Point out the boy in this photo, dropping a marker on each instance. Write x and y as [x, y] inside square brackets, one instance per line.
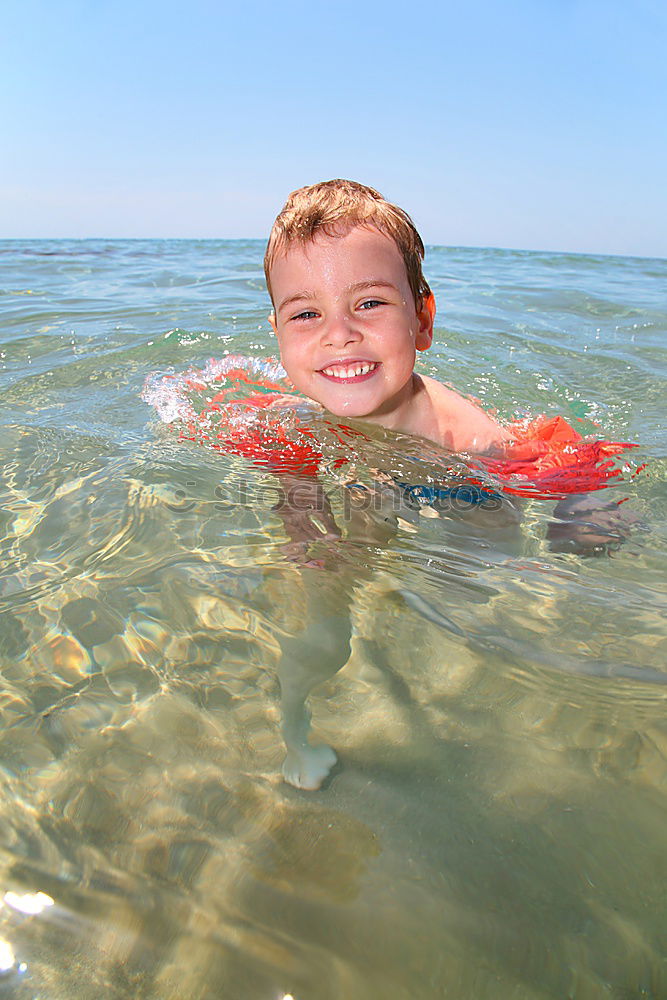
[351, 308]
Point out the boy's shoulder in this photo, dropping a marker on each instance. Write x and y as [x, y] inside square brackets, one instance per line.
[462, 424]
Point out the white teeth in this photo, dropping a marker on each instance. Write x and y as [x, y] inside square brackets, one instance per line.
[349, 371]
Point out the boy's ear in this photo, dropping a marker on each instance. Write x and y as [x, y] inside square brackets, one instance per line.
[272, 320]
[426, 317]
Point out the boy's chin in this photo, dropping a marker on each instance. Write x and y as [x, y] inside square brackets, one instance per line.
[350, 413]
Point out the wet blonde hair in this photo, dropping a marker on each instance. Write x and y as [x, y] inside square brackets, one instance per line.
[334, 207]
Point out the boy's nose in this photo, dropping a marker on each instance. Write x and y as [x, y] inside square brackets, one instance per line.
[340, 331]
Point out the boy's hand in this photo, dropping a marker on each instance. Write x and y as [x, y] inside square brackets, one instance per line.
[589, 526]
[307, 516]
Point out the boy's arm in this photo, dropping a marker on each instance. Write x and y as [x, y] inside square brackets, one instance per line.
[306, 514]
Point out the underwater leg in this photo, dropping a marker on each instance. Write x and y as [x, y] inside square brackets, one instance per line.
[307, 659]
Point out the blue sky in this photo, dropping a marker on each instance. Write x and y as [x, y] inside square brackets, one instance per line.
[537, 125]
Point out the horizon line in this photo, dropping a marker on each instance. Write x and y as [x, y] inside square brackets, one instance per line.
[258, 239]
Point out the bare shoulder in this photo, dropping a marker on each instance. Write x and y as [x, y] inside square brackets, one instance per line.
[462, 424]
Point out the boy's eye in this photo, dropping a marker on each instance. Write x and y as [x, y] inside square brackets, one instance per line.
[370, 304]
[306, 314]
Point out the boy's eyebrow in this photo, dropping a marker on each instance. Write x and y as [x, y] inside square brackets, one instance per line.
[297, 297]
[358, 286]
[371, 283]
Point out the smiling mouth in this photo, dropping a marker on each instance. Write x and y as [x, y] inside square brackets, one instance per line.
[353, 371]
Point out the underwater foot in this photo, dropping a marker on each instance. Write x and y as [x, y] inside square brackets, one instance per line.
[307, 766]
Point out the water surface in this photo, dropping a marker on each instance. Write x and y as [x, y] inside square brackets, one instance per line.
[495, 826]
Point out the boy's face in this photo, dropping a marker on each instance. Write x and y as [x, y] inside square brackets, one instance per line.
[347, 324]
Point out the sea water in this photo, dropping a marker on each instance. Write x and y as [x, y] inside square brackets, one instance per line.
[495, 825]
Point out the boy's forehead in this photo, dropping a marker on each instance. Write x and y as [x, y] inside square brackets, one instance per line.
[354, 248]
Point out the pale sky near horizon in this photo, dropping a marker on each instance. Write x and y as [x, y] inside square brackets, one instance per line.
[535, 124]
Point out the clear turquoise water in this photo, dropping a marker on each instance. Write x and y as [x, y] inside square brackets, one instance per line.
[496, 824]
